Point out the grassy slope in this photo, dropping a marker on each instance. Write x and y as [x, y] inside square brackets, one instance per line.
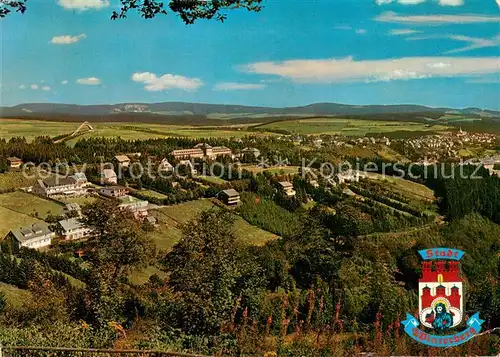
[26, 203]
[11, 219]
[171, 216]
[348, 127]
[15, 296]
[15, 180]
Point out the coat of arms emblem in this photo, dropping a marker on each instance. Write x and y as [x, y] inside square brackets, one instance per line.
[441, 301]
[440, 295]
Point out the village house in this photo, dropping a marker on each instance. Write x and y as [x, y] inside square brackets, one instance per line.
[114, 191]
[251, 151]
[36, 236]
[14, 162]
[314, 183]
[81, 179]
[109, 176]
[165, 166]
[189, 165]
[138, 207]
[122, 160]
[61, 186]
[73, 229]
[202, 151]
[150, 220]
[348, 176]
[72, 210]
[229, 197]
[287, 188]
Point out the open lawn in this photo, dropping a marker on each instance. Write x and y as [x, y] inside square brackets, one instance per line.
[15, 296]
[27, 204]
[152, 194]
[11, 219]
[212, 179]
[15, 179]
[347, 127]
[142, 276]
[130, 131]
[81, 200]
[169, 217]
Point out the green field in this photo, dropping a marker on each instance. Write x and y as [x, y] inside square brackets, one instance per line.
[15, 179]
[347, 127]
[212, 179]
[16, 207]
[26, 203]
[152, 194]
[15, 296]
[131, 131]
[81, 200]
[171, 216]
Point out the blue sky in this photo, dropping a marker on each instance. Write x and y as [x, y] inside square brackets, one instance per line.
[430, 52]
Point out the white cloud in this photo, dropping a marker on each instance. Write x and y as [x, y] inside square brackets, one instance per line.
[22, 86]
[393, 17]
[451, 2]
[90, 81]
[67, 39]
[350, 70]
[34, 86]
[238, 86]
[83, 5]
[46, 88]
[383, 2]
[64, 82]
[153, 83]
[360, 31]
[398, 32]
[474, 42]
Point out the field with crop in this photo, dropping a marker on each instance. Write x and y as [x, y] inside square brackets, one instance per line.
[347, 127]
[131, 131]
[169, 218]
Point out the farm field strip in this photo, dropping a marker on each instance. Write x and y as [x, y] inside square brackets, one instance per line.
[348, 127]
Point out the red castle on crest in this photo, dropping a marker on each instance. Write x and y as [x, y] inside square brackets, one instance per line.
[441, 275]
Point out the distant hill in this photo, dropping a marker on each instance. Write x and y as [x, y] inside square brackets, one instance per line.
[226, 111]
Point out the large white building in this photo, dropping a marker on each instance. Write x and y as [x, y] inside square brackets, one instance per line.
[202, 150]
[36, 236]
[73, 229]
[73, 185]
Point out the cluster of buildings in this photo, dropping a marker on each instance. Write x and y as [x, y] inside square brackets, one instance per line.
[202, 151]
[39, 234]
[447, 145]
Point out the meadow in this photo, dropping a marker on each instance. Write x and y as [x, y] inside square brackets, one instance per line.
[169, 218]
[25, 203]
[130, 131]
[347, 127]
[15, 179]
